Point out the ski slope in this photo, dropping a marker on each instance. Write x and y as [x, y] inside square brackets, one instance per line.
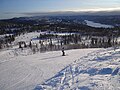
[22, 70]
[99, 70]
[26, 37]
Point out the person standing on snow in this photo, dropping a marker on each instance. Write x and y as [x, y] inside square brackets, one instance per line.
[63, 52]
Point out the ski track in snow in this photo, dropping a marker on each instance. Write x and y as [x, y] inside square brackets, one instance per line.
[22, 70]
[99, 70]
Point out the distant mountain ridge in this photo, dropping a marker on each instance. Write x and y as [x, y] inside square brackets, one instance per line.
[103, 19]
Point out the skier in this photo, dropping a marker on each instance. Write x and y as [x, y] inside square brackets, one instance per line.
[63, 52]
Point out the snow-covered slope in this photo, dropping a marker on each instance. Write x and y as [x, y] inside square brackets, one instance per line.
[80, 69]
[22, 70]
[26, 37]
[99, 70]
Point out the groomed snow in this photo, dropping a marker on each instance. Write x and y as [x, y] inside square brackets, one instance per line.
[21, 70]
[99, 70]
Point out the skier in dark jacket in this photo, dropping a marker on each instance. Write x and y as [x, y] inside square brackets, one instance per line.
[63, 52]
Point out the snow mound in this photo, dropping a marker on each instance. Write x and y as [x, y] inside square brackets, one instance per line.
[96, 71]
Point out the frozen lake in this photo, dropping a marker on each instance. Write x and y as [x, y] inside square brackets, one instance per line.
[97, 25]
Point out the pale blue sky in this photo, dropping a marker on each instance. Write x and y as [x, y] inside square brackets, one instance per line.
[16, 8]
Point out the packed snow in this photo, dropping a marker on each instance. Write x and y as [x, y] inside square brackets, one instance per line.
[97, 25]
[99, 70]
[22, 70]
[80, 69]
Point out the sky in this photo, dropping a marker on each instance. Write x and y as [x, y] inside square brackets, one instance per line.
[19, 8]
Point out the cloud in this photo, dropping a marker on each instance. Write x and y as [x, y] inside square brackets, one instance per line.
[99, 11]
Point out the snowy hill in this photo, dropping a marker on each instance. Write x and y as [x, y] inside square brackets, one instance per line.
[22, 70]
[99, 70]
[26, 37]
[80, 69]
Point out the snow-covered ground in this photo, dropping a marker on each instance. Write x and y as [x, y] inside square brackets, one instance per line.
[26, 37]
[22, 70]
[99, 70]
[97, 25]
[80, 69]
